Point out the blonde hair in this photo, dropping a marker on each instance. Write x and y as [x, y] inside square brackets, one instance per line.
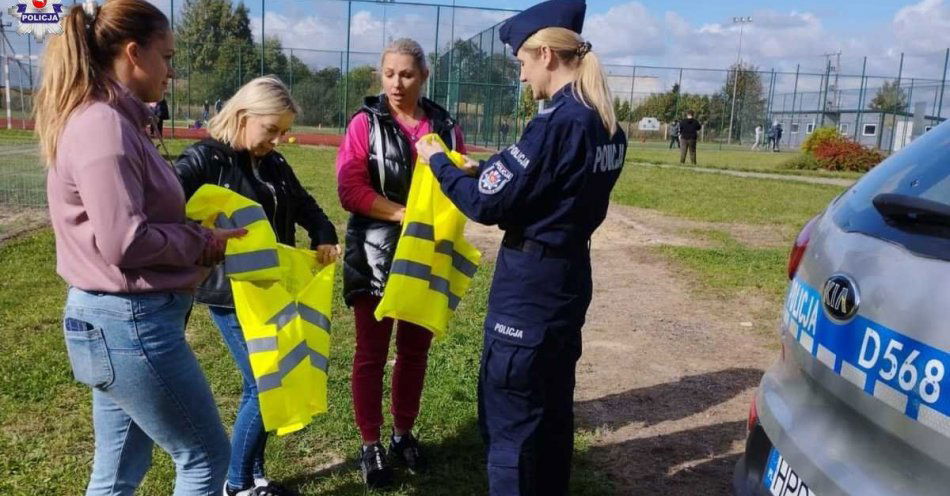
[406, 46]
[266, 95]
[590, 84]
[76, 65]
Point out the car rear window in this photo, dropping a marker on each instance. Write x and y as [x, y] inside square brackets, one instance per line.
[921, 170]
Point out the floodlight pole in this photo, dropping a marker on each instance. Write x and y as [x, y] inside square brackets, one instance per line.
[262, 37]
[6, 72]
[741, 21]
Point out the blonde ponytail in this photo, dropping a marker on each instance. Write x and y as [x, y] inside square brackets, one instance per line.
[76, 65]
[69, 79]
[590, 84]
[592, 87]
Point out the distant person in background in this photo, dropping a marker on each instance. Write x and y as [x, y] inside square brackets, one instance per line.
[758, 138]
[206, 112]
[675, 134]
[161, 114]
[152, 123]
[689, 133]
[217, 106]
[776, 135]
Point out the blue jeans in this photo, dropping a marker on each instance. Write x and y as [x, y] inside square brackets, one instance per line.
[147, 388]
[248, 437]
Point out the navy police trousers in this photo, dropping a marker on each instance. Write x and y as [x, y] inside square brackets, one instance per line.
[526, 413]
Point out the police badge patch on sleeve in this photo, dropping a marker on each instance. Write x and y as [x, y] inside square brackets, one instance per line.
[493, 178]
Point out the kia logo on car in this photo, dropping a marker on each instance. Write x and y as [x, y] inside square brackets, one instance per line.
[840, 297]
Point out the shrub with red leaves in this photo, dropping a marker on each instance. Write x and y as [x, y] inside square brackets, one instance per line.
[843, 154]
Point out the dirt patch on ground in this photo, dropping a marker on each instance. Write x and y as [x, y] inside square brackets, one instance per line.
[670, 230]
[667, 374]
[15, 221]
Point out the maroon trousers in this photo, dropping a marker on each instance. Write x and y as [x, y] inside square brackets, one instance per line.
[369, 362]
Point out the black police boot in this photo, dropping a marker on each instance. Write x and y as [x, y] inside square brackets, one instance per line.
[408, 451]
[377, 472]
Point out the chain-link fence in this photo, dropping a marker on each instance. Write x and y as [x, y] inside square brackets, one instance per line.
[332, 71]
[884, 109]
[328, 52]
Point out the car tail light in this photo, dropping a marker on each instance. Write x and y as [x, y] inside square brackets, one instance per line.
[798, 249]
[753, 415]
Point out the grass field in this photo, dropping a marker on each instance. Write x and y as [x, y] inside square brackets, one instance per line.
[731, 157]
[45, 429]
[728, 267]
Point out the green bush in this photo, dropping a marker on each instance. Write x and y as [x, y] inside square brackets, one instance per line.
[819, 136]
[802, 161]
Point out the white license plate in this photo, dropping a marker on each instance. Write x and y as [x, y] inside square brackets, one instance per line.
[781, 480]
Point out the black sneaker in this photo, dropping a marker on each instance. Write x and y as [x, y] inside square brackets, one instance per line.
[229, 491]
[376, 470]
[271, 488]
[408, 451]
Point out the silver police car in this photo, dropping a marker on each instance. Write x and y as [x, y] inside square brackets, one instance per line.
[859, 401]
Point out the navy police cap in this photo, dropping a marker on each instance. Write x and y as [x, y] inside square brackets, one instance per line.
[551, 14]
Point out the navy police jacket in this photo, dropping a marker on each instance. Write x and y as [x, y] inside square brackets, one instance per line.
[550, 190]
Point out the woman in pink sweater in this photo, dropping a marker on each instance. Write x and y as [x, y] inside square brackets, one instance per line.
[123, 245]
[374, 171]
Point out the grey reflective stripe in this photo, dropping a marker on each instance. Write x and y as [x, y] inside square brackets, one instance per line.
[246, 216]
[445, 247]
[290, 361]
[222, 221]
[380, 155]
[459, 262]
[237, 263]
[420, 230]
[284, 316]
[313, 316]
[307, 313]
[241, 217]
[424, 272]
[258, 345]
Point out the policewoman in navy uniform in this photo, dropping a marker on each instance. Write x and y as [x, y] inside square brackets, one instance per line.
[548, 192]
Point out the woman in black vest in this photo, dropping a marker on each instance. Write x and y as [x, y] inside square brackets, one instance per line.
[374, 169]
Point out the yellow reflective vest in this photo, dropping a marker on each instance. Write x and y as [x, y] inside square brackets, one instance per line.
[283, 299]
[286, 326]
[433, 264]
[252, 257]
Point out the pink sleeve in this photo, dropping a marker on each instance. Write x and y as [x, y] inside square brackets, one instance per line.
[352, 173]
[459, 140]
[111, 185]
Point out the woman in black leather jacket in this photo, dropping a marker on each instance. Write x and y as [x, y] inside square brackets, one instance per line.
[240, 156]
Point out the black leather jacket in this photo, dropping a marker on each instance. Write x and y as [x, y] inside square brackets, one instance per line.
[371, 243]
[213, 162]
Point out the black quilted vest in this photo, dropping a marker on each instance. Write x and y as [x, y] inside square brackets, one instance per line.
[371, 243]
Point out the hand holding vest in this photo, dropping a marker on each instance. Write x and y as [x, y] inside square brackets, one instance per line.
[434, 264]
[283, 298]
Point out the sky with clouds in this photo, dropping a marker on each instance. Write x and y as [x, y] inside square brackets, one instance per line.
[680, 33]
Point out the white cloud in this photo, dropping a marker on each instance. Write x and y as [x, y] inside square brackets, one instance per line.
[625, 31]
[369, 30]
[922, 27]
